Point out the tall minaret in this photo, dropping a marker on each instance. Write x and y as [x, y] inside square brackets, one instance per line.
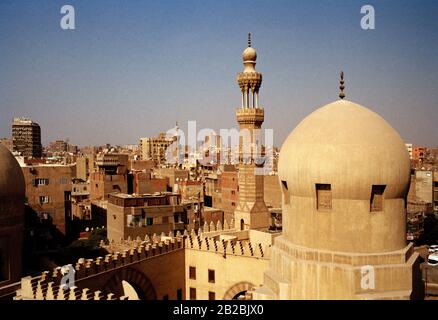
[251, 211]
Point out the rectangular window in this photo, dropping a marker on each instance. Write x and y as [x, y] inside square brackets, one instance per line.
[40, 182]
[149, 221]
[165, 219]
[179, 294]
[211, 295]
[192, 294]
[133, 220]
[376, 200]
[323, 196]
[44, 199]
[211, 276]
[192, 273]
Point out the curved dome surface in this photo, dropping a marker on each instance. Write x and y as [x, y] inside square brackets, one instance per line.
[249, 54]
[348, 146]
[11, 175]
[345, 174]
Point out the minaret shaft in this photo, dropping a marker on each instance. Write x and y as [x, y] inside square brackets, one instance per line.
[251, 211]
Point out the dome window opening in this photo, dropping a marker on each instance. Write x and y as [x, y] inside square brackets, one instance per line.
[286, 195]
[377, 197]
[323, 196]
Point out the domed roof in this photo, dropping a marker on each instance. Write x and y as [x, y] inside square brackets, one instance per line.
[249, 54]
[11, 175]
[348, 146]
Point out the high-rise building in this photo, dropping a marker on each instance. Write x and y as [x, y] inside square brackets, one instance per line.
[251, 211]
[26, 137]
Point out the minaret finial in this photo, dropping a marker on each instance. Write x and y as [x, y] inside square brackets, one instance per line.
[342, 87]
[249, 39]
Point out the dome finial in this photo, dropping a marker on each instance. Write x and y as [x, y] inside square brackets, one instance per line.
[342, 87]
[249, 39]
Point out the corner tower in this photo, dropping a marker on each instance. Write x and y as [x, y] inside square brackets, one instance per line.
[251, 211]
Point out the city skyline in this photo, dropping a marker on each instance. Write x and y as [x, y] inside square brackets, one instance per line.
[124, 68]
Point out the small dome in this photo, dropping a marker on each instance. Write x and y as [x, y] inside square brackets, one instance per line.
[249, 54]
[11, 175]
[348, 146]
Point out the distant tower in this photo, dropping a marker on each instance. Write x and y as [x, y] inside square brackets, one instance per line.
[251, 211]
[26, 137]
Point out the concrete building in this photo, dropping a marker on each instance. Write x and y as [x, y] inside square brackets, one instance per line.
[213, 193]
[229, 191]
[12, 193]
[190, 190]
[58, 146]
[155, 148]
[26, 137]
[80, 200]
[84, 166]
[424, 186]
[144, 182]
[344, 217]
[172, 174]
[419, 153]
[48, 192]
[110, 176]
[140, 215]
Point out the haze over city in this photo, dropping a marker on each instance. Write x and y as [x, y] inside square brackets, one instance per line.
[132, 69]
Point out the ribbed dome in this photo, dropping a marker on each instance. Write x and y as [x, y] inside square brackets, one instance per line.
[11, 175]
[348, 146]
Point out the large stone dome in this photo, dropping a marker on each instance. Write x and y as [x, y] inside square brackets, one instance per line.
[11, 175]
[348, 145]
[348, 150]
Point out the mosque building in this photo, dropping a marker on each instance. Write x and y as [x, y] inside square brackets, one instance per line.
[345, 175]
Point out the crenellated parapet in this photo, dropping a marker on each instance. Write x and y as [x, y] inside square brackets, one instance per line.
[48, 285]
[223, 247]
[38, 288]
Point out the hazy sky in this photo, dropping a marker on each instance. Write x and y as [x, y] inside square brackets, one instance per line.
[133, 68]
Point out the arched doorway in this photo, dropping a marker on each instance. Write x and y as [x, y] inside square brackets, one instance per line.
[238, 289]
[132, 283]
[129, 291]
